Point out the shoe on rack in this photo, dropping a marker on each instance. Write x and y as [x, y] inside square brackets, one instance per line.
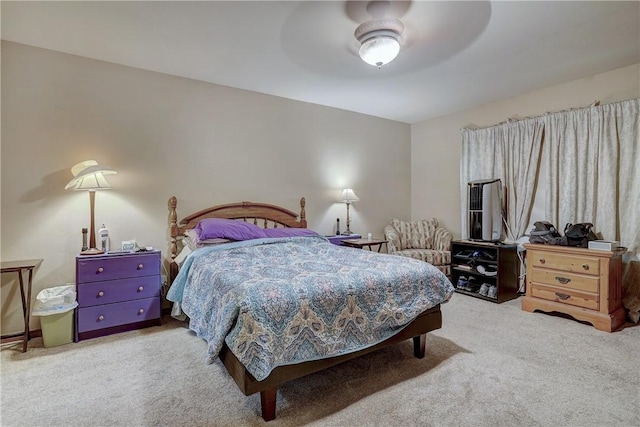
[465, 253]
[473, 284]
[493, 292]
[488, 255]
[484, 289]
[462, 283]
[487, 270]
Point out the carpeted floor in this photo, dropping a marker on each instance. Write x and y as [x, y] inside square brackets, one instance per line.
[490, 365]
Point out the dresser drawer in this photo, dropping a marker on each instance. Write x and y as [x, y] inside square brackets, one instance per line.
[565, 280]
[95, 293]
[572, 263]
[116, 267]
[572, 297]
[121, 313]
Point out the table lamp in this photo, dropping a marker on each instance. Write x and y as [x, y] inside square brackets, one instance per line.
[348, 196]
[89, 176]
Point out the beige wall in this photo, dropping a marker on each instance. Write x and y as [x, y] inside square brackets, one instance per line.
[210, 144]
[204, 143]
[435, 144]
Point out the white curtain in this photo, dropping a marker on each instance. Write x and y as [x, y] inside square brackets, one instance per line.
[593, 170]
[511, 152]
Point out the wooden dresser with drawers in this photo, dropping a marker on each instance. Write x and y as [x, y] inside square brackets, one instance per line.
[583, 283]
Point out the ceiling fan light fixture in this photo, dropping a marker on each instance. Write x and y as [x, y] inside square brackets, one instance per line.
[379, 50]
[380, 41]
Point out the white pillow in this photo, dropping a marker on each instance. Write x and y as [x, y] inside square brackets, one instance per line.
[192, 240]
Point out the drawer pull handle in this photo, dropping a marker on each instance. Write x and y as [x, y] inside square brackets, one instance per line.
[100, 294]
[542, 261]
[101, 317]
[562, 296]
[140, 266]
[140, 289]
[141, 311]
[585, 266]
[563, 280]
[100, 270]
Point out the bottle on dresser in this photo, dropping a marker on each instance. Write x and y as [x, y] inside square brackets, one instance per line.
[103, 235]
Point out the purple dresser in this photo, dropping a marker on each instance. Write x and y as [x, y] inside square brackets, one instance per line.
[116, 293]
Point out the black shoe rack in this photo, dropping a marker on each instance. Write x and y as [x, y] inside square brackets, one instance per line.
[494, 265]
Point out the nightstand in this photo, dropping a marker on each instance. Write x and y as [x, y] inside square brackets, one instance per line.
[117, 293]
[337, 240]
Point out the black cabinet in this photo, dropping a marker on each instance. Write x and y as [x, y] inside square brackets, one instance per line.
[485, 270]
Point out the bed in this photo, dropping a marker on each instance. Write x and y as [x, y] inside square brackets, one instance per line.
[274, 309]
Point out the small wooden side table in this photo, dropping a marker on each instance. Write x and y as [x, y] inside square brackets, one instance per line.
[338, 239]
[361, 243]
[19, 267]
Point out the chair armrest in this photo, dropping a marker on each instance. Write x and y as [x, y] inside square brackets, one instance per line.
[393, 239]
[442, 239]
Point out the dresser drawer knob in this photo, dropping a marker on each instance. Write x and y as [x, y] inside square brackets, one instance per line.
[101, 317]
[562, 296]
[100, 294]
[140, 266]
[141, 311]
[542, 261]
[563, 280]
[585, 266]
[140, 289]
[100, 270]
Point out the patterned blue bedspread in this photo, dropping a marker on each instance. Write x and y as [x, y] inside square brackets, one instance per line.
[282, 301]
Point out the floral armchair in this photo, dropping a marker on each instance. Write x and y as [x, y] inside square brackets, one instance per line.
[424, 240]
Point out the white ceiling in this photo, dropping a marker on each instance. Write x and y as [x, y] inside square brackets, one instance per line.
[455, 55]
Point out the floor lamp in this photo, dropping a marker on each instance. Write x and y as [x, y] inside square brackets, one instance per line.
[89, 176]
[348, 197]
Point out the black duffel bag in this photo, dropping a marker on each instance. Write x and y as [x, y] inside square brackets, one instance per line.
[579, 234]
[544, 232]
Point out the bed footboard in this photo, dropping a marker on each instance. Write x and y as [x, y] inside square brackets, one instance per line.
[417, 330]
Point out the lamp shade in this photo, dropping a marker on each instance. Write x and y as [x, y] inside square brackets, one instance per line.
[348, 196]
[89, 175]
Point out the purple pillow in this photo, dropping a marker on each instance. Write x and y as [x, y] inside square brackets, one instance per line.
[289, 232]
[220, 228]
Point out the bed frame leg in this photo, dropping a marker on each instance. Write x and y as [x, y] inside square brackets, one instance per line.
[268, 403]
[419, 345]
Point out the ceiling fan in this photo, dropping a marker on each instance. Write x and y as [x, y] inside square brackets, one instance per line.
[380, 36]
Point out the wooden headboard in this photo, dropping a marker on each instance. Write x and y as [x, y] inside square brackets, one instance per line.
[262, 214]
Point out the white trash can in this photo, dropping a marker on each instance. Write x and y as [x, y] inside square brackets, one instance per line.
[55, 306]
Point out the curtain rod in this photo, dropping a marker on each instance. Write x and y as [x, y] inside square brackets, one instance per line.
[595, 103]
